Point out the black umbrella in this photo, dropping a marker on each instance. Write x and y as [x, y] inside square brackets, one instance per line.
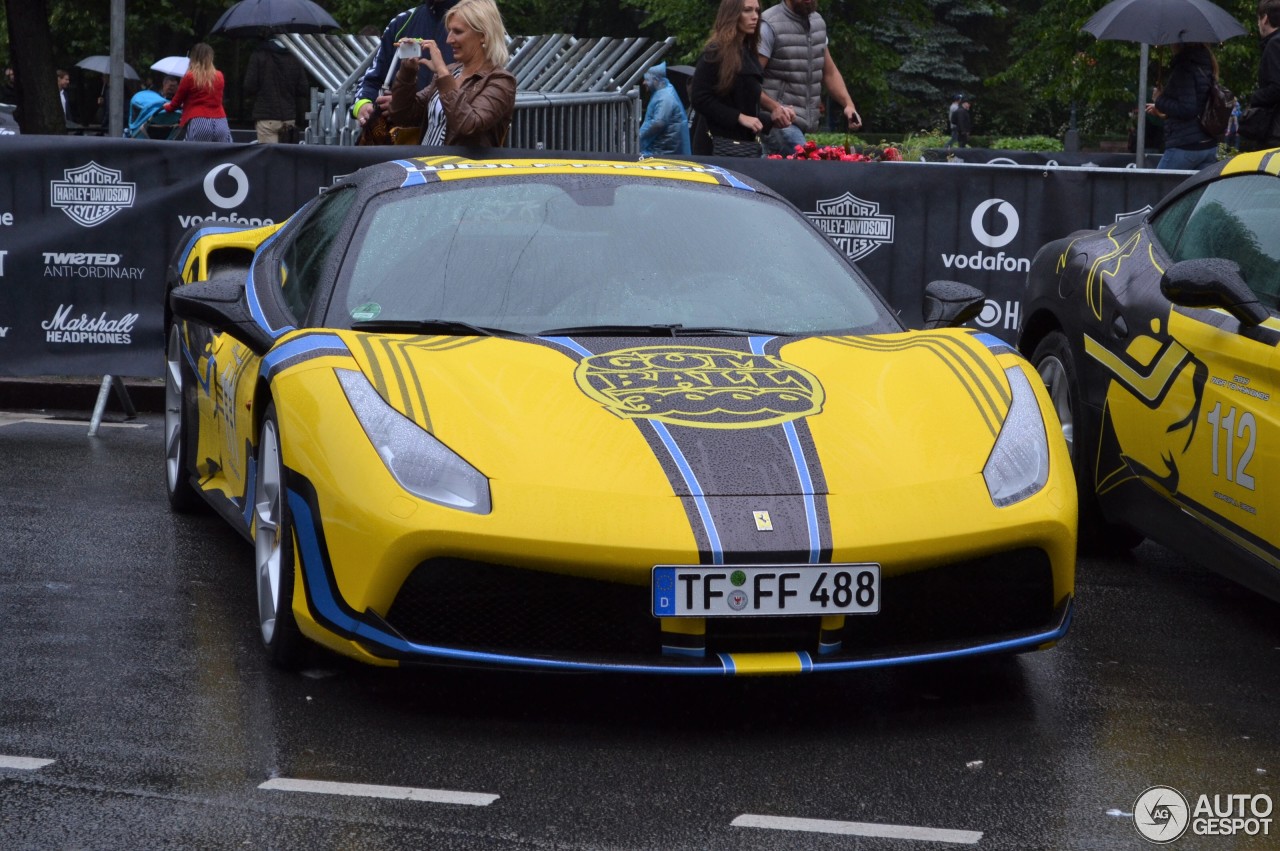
[1160, 22]
[1163, 22]
[266, 17]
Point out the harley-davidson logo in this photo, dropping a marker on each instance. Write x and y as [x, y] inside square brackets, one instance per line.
[700, 387]
[91, 194]
[855, 226]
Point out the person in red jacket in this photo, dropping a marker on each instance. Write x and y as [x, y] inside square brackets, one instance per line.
[199, 96]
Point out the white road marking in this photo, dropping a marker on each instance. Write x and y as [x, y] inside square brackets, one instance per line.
[25, 763]
[855, 828]
[8, 418]
[364, 790]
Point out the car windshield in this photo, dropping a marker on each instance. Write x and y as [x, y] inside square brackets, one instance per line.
[569, 254]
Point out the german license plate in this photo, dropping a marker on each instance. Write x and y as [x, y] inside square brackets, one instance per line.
[728, 591]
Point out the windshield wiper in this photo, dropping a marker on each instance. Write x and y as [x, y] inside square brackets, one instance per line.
[612, 331]
[719, 331]
[453, 327]
[670, 330]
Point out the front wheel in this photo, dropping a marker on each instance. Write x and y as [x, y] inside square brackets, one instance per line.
[273, 546]
[1055, 362]
[179, 436]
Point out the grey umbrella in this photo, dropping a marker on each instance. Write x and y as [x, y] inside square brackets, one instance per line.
[266, 17]
[1160, 22]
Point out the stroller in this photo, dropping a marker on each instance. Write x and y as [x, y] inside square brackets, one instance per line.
[148, 120]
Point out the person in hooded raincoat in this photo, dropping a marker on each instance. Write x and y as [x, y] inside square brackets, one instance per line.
[665, 130]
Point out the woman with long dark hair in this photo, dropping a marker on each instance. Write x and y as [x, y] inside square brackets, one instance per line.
[199, 96]
[725, 92]
[1180, 102]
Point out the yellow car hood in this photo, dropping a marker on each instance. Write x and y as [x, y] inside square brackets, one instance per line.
[822, 415]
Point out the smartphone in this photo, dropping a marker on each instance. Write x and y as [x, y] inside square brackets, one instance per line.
[408, 50]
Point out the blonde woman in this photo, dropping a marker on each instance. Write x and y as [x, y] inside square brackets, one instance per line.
[469, 102]
[199, 96]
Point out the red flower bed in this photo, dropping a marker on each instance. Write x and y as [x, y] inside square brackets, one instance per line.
[842, 153]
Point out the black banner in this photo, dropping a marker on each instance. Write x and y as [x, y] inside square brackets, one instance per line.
[87, 226]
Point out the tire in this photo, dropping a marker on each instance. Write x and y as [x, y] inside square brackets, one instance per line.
[179, 439]
[273, 548]
[1055, 362]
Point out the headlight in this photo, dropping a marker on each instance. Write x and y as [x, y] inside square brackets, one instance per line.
[421, 464]
[1019, 463]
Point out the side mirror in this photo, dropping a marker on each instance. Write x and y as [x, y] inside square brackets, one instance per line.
[1213, 282]
[950, 303]
[220, 303]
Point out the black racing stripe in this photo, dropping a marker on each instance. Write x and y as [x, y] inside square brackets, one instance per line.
[729, 462]
[302, 357]
[299, 483]
[758, 462]
[395, 357]
[818, 479]
[968, 369]
[388, 361]
[701, 534]
[367, 346]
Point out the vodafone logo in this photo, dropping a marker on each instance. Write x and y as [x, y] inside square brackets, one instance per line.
[1004, 210]
[226, 186]
[995, 224]
[237, 175]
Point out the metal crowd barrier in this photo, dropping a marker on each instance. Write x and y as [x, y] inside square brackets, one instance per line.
[573, 94]
[602, 123]
[599, 123]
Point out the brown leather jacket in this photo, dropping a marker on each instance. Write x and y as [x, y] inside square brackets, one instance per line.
[477, 109]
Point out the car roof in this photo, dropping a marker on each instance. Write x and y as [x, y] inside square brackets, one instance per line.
[419, 171]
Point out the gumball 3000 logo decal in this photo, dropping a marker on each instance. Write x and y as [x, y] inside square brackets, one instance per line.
[699, 386]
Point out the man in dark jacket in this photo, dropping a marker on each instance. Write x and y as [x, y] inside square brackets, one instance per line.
[275, 79]
[963, 122]
[1266, 97]
[421, 22]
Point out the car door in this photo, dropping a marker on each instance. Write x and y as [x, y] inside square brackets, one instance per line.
[1221, 438]
[286, 279]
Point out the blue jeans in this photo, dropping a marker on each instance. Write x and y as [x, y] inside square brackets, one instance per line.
[783, 140]
[1186, 159]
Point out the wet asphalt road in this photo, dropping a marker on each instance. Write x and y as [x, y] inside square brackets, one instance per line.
[136, 710]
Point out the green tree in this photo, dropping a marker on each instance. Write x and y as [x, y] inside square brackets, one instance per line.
[1057, 64]
[938, 46]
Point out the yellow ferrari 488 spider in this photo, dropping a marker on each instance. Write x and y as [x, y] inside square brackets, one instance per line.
[606, 416]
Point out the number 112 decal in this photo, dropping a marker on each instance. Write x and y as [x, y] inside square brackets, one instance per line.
[1236, 470]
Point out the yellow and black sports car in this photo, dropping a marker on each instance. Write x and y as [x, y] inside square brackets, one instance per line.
[606, 416]
[1157, 338]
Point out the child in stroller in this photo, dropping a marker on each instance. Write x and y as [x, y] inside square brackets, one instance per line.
[147, 118]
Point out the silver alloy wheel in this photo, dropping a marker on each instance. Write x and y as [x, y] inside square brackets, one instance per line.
[268, 510]
[1054, 375]
[173, 392]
